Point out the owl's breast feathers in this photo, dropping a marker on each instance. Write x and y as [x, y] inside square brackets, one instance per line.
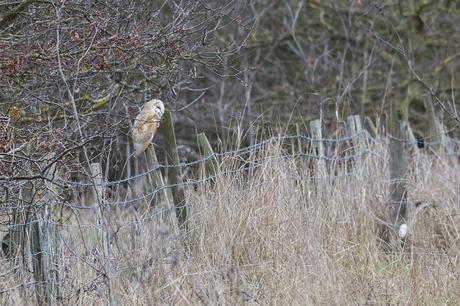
[144, 129]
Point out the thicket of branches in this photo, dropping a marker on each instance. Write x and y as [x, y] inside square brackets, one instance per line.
[74, 74]
[76, 71]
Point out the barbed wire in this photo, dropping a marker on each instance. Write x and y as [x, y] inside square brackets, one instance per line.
[249, 165]
[253, 148]
[152, 195]
[235, 152]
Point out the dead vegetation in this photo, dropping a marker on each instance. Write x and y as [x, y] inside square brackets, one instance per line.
[273, 235]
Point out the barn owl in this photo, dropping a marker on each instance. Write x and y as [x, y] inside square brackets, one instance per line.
[146, 124]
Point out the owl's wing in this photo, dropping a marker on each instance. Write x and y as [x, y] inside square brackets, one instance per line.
[144, 128]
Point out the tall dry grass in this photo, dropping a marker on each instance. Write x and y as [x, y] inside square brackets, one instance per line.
[273, 235]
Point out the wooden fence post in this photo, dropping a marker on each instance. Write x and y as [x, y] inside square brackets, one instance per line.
[174, 173]
[356, 131]
[98, 189]
[45, 240]
[320, 173]
[398, 166]
[99, 197]
[164, 202]
[317, 146]
[211, 164]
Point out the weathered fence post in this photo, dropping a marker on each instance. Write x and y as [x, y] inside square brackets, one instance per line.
[317, 146]
[45, 239]
[359, 137]
[398, 166]
[211, 163]
[98, 189]
[99, 197]
[157, 179]
[320, 173]
[174, 172]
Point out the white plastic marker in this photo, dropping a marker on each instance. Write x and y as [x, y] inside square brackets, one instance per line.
[402, 231]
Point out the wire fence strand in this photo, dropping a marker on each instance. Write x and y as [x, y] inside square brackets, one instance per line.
[249, 164]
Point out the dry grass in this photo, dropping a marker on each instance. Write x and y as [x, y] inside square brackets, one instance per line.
[273, 237]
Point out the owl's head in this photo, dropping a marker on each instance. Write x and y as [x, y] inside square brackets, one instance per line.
[157, 107]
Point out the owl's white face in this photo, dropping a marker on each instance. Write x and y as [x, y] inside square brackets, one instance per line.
[157, 107]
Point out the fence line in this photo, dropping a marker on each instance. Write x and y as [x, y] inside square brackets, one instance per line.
[252, 148]
[186, 183]
[236, 152]
[192, 182]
